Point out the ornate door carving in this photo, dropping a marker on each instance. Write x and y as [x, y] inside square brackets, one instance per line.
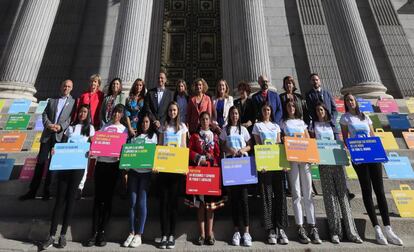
[191, 46]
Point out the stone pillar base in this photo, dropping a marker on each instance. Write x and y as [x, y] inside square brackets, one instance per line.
[369, 90]
[16, 90]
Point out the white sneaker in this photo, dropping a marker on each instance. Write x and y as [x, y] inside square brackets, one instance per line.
[283, 239]
[236, 239]
[128, 241]
[247, 240]
[379, 236]
[272, 238]
[335, 239]
[392, 237]
[136, 241]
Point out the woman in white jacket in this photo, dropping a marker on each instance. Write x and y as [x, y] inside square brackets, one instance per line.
[222, 102]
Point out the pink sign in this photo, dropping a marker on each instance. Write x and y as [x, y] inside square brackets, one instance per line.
[340, 106]
[107, 144]
[388, 106]
[27, 171]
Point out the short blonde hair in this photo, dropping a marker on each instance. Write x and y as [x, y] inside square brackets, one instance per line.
[205, 85]
[96, 77]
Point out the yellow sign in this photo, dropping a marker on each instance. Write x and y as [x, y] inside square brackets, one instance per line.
[387, 139]
[171, 159]
[2, 102]
[404, 199]
[270, 157]
[410, 105]
[36, 142]
[350, 172]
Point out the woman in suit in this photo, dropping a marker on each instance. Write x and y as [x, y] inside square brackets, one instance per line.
[112, 98]
[222, 102]
[199, 103]
[289, 86]
[245, 105]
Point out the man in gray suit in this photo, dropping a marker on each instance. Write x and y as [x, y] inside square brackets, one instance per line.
[56, 119]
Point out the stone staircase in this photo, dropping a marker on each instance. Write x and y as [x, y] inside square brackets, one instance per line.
[22, 223]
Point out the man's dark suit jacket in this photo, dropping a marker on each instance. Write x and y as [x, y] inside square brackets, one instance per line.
[151, 104]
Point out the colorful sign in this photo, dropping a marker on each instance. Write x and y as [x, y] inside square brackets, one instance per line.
[19, 106]
[107, 144]
[350, 172]
[70, 156]
[410, 105]
[404, 200]
[137, 156]
[6, 168]
[388, 106]
[270, 157]
[366, 150]
[398, 167]
[315, 171]
[376, 123]
[332, 152]
[17, 122]
[340, 105]
[2, 102]
[12, 142]
[387, 139]
[171, 159]
[39, 123]
[41, 107]
[409, 138]
[301, 150]
[203, 181]
[238, 171]
[36, 142]
[365, 105]
[29, 166]
[398, 121]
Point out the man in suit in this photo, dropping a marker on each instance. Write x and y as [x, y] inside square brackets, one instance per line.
[56, 119]
[157, 100]
[267, 96]
[318, 94]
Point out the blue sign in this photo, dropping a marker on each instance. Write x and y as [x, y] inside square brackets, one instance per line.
[366, 150]
[398, 121]
[19, 106]
[39, 124]
[332, 152]
[365, 105]
[6, 168]
[41, 107]
[238, 171]
[70, 156]
[398, 167]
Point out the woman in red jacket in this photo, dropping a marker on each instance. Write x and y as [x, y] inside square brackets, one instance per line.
[94, 98]
[204, 150]
[199, 103]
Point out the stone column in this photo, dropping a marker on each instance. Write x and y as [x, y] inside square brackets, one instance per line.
[356, 63]
[244, 41]
[129, 55]
[23, 54]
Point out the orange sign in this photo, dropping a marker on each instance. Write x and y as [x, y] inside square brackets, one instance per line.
[12, 142]
[304, 150]
[409, 138]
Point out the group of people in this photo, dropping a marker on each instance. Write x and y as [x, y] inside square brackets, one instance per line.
[212, 128]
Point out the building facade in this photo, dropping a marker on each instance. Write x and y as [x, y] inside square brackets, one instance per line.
[359, 46]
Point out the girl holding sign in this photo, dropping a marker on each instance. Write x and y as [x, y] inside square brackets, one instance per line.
[68, 180]
[105, 177]
[334, 183]
[236, 143]
[173, 133]
[205, 151]
[300, 177]
[355, 122]
[275, 215]
[138, 185]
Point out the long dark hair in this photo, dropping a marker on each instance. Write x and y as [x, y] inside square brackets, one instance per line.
[151, 131]
[328, 115]
[86, 124]
[132, 91]
[261, 112]
[176, 120]
[230, 122]
[112, 83]
[358, 112]
[297, 115]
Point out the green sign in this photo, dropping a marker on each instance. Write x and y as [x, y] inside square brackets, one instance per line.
[137, 156]
[376, 123]
[17, 122]
[270, 157]
[315, 171]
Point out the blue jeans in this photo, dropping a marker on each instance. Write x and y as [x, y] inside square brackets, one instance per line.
[138, 186]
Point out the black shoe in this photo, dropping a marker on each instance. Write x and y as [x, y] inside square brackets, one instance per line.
[163, 242]
[62, 241]
[350, 195]
[48, 243]
[46, 196]
[200, 241]
[210, 241]
[100, 240]
[302, 235]
[27, 196]
[171, 242]
[78, 194]
[314, 236]
[91, 241]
